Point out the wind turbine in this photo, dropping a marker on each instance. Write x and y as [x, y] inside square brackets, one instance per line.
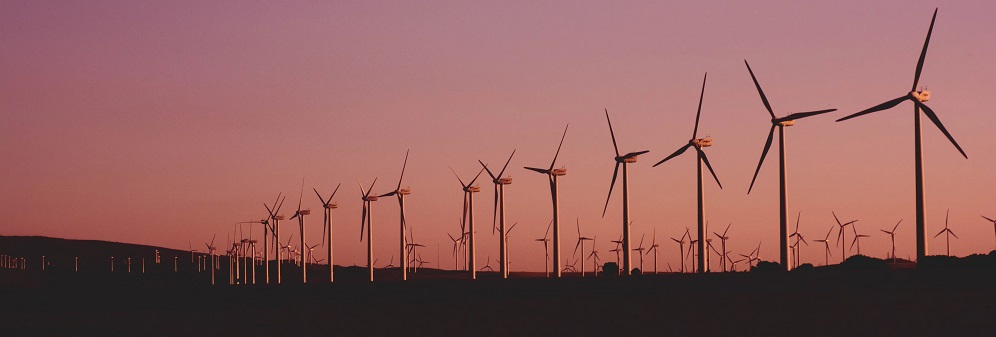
[504, 235]
[400, 193]
[653, 248]
[918, 97]
[456, 250]
[840, 235]
[892, 236]
[299, 214]
[210, 249]
[857, 239]
[990, 220]
[488, 265]
[328, 206]
[552, 175]
[722, 241]
[798, 238]
[681, 249]
[367, 220]
[781, 124]
[580, 244]
[826, 242]
[274, 227]
[546, 249]
[468, 219]
[623, 160]
[499, 214]
[698, 144]
[640, 249]
[947, 233]
[594, 257]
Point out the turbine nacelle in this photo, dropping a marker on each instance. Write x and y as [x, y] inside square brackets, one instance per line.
[333, 205]
[786, 123]
[627, 160]
[504, 181]
[278, 217]
[921, 95]
[559, 171]
[370, 198]
[304, 212]
[701, 142]
[472, 189]
[405, 191]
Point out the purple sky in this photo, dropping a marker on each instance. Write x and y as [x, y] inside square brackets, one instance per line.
[166, 122]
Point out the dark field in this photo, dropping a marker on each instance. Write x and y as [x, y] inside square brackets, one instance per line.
[943, 297]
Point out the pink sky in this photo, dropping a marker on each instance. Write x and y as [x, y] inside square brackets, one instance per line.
[163, 123]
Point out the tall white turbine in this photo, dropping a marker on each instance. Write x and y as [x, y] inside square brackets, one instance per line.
[400, 193]
[328, 206]
[698, 144]
[498, 220]
[918, 97]
[781, 124]
[552, 175]
[468, 219]
[624, 161]
[367, 220]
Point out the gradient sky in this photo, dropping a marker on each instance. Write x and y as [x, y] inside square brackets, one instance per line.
[166, 122]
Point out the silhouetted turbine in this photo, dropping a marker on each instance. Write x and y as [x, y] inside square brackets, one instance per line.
[918, 97]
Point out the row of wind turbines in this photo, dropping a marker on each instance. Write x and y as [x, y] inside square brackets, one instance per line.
[465, 240]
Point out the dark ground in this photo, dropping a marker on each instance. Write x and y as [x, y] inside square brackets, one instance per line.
[942, 297]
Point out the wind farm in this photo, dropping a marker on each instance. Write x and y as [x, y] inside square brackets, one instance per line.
[155, 125]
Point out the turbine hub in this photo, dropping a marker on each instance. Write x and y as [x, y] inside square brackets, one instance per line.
[921, 95]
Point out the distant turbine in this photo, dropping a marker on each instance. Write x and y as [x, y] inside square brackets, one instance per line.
[499, 214]
[546, 249]
[623, 160]
[594, 257]
[210, 249]
[274, 227]
[681, 249]
[722, 241]
[892, 236]
[840, 235]
[653, 249]
[947, 233]
[826, 242]
[367, 220]
[504, 234]
[400, 193]
[299, 214]
[798, 238]
[990, 220]
[468, 219]
[552, 175]
[918, 97]
[857, 238]
[780, 123]
[640, 249]
[328, 206]
[698, 143]
[580, 244]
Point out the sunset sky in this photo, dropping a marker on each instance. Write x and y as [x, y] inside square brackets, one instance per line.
[164, 123]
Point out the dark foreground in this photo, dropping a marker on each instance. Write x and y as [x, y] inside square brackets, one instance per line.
[817, 302]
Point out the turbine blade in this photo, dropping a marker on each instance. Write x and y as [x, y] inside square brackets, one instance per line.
[319, 195]
[801, 115]
[695, 131]
[506, 164]
[372, 186]
[458, 178]
[880, 107]
[363, 220]
[705, 160]
[612, 133]
[333, 192]
[675, 154]
[544, 171]
[388, 194]
[897, 225]
[764, 153]
[764, 99]
[923, 53]
[987, 218]
[487, 170]
[403, 167]
[554, 162]
[475, 177]
[933, 118]
[634, 154]
[494, 217]
[615, 172]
